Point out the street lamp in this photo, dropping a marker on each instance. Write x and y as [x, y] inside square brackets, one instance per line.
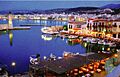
[13, 64]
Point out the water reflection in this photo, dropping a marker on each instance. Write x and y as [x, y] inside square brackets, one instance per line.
[10, 35]
[46, 37]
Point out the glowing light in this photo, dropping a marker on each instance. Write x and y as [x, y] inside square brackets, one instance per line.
[75, 69]
[13, 64]
[10, 35]
[75, 73]
[99, 70]
[65, 55]
[80, 71]
[92, 72]
[108, 49]
[116, 55]
[85, 44]
[0, 69]
[45, 57]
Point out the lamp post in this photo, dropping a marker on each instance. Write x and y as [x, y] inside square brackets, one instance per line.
[13, 64]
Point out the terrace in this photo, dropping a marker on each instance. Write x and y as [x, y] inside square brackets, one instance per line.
[61, 66]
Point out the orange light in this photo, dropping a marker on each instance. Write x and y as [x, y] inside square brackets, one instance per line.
[115, 55]
[90, 67]
[106, 58]
[65, 55]
[108, 49]
[87, 70]
[102, 62]
[80, 71]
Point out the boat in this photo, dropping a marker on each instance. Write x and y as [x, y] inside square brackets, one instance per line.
[93, 40]
[52, 57]
[46, 37]
[48, 30]
[72, 36]
[33, 59]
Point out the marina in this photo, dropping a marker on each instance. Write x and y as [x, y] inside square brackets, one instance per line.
[59, 39]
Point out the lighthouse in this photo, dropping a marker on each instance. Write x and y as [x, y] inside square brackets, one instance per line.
[10, 24]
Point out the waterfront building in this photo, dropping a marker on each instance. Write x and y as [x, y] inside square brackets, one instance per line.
[116, 29]
[104, 26]
[75, 26]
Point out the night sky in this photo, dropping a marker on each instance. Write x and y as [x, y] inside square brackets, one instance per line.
[43, 5]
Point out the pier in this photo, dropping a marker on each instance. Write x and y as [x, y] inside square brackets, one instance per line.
[6, 27]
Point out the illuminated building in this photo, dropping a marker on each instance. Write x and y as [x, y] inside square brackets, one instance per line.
[105, 26]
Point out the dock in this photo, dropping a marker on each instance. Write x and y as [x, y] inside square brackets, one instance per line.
[15, 28]
[7, 27]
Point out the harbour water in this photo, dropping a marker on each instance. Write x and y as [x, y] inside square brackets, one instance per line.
[18, 45]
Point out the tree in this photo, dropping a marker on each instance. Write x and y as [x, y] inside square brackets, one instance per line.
[65, 27]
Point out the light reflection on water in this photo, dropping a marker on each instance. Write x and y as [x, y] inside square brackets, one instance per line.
[17, 46]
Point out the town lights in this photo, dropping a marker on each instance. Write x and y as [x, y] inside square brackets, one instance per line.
[108, 49]
[115, 55]
[75, 69]
[75, 73]
[80, 71]
[65, 55]
[92, 72]
[99, 70]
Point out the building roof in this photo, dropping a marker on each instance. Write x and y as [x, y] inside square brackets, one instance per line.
[61, 66]
[106, 20]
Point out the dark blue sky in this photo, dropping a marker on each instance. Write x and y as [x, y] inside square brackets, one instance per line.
[30, 5]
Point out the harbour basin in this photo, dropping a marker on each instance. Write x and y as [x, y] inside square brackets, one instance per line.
[18, 45]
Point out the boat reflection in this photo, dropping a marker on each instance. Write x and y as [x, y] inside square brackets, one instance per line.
[47, 37]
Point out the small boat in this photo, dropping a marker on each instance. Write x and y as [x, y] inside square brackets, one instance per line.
[48, 30]
[52, 57]
[72, 36]
[33, 59]
[46, 37]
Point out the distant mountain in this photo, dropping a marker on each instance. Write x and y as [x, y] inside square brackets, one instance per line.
[57, 10]
[76, 10]
[81, 9]
[111, 6]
